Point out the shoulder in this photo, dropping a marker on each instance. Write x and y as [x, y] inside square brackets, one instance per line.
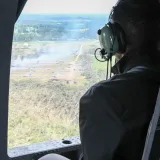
[123, 82]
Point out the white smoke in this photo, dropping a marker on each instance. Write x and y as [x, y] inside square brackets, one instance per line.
[50, 56]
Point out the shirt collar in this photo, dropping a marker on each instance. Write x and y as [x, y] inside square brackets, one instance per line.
[128, 62]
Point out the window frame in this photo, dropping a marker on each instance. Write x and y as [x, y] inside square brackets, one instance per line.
[9, 13]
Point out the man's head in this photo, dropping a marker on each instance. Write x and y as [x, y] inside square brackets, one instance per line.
[139, 20]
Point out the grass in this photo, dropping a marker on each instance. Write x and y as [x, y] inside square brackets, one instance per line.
[41, 108]
[101, 65]
[41, 111]
[33, 125]
[98, 65]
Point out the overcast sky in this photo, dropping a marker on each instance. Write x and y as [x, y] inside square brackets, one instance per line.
[69, 6]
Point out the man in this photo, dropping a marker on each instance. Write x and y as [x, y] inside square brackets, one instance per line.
[115, 114]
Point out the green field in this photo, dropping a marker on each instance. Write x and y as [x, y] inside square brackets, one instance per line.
[44, 106]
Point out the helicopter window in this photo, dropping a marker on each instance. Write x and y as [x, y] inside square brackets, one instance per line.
[52, 65]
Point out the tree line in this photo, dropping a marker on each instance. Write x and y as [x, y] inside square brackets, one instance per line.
[54, 32]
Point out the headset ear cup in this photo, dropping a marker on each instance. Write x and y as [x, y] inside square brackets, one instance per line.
[121, 37]
[115, 45]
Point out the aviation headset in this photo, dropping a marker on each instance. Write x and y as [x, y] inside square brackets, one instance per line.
[111, 38]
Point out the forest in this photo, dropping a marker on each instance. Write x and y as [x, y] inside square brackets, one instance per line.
[57, 27]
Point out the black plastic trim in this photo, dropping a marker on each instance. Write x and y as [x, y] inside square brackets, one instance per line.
[8, 9]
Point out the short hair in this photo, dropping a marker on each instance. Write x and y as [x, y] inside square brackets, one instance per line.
[140, 20]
